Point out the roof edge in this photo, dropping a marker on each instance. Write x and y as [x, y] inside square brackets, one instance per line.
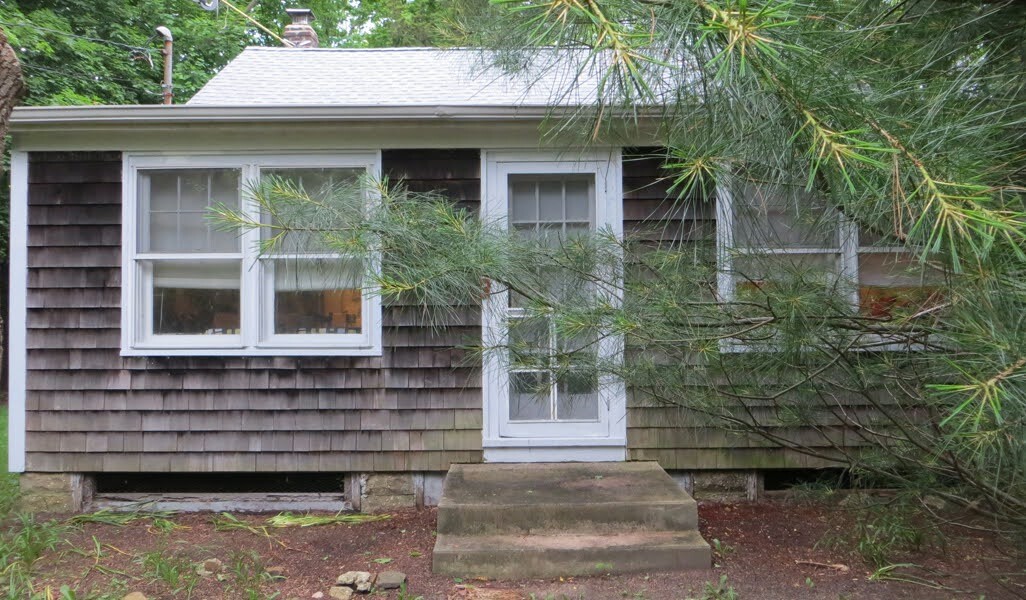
[43, 116]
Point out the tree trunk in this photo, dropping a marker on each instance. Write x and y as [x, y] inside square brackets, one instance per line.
[12, 88]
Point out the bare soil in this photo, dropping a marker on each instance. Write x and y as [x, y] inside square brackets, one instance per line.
[767, 550]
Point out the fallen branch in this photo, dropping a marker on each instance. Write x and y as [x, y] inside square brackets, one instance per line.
[833, 566]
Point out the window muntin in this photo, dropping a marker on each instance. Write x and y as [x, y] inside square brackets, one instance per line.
[191, 287]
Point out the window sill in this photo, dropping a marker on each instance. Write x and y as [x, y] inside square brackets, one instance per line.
[257, 352]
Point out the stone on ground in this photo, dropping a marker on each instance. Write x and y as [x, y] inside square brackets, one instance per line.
[340, 592]
[210, 566]
[353, 578]
[135, 596]
[390, 580]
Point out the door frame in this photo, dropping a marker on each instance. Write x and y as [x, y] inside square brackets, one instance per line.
[496, 165]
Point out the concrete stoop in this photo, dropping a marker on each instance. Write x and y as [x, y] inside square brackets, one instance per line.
[516, 521]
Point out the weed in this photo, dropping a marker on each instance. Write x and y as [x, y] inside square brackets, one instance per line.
[382, 561]
[721, 548]
[809, 583]
[882, 529]
[176, 572]
[405, 594]
[21, 546]
[603, 566]
[164, 526]
[8, 481]
[248, 576]
[719, 591]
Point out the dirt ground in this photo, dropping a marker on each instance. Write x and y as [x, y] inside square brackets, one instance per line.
[766, 551]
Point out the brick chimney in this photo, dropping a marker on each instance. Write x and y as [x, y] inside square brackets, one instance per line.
[300, 33]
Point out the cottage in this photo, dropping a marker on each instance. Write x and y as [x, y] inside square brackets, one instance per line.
[153, 353]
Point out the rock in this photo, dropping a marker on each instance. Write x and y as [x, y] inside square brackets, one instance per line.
[276, 572]
[209, 567]
[364, 587]
[341, 592]
[390, 580]
[317, 595]
[353, 578]
[135, 596]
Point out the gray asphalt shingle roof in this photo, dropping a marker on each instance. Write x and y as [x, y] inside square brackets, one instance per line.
[388, 77]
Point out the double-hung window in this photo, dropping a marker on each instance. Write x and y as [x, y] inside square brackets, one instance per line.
[766, 232]
[193, 286]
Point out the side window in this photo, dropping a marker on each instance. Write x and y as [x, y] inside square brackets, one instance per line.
[768, 232]
[195, 287]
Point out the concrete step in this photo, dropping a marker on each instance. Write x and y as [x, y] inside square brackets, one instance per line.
[584, 498]
[568, 554]
[581, 517]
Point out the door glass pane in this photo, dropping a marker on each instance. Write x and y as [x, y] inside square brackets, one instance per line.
[196, 297]
[549, 208]
[317, 296]
[529, 396]
[523, 203]
[175, 210]
[578, 201]
[550, 201]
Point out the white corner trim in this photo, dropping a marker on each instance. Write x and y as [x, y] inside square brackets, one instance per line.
[18, 312]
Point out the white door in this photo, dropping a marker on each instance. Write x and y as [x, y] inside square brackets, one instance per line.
[529, 414]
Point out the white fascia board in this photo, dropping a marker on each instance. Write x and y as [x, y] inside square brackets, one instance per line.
[51, 116]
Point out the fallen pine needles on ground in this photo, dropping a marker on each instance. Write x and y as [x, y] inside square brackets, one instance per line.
[120, 519]
[287, 519]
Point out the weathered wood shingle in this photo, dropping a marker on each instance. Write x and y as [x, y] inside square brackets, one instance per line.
[416, 407]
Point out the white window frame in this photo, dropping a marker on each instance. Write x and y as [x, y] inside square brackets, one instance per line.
[848, 250]
[256, 336]
[606, 439]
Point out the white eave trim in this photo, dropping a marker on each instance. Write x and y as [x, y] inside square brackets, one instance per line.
[36, 116]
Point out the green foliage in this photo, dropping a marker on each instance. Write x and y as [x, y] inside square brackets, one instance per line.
[406, 594]
[8, 481]
[176, 572]
[22, 542]
[720, 590]
[246, 576]
[884, 529]
[106, 51]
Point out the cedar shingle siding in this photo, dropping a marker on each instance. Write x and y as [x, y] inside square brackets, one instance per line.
[417, 407]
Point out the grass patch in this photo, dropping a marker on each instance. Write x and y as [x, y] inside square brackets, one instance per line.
[8, 481]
